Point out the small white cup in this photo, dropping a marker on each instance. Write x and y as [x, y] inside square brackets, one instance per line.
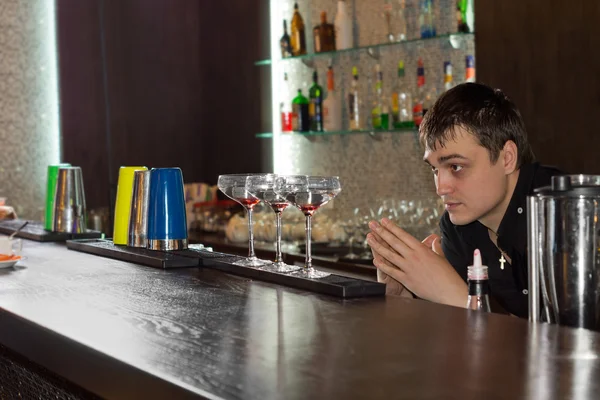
[10, 246]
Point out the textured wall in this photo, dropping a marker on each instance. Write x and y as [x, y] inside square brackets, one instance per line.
[372, 168]
[28, 102]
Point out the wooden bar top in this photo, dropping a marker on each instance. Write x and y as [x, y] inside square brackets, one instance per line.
[120, 330]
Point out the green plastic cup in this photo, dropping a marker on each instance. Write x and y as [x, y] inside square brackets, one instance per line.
[50, 192]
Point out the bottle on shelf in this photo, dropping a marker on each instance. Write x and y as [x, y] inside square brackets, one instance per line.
[479, 289]
[465, 15]
[315, 107]
[332, 106]
[300, 117]
[401, 102]
[401, 20]
[298, 38]
[354, 101]
[470, 69]
[286, 111]
[426, 22]
[380, 111]
[285, 43]
[448, 84]
[343, 26]
[431, 96]
[420, 96]
[387, 13]
[324, 35]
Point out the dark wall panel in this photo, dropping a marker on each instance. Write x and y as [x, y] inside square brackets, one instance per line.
[181, 90]
[544, 54]
[82, 111]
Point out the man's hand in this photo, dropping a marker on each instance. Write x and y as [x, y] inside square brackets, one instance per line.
[420, 266]
[392, 286]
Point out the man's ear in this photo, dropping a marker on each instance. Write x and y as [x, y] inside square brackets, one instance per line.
[509, 157]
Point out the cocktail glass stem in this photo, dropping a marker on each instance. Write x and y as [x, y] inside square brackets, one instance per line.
[308, 261]
[251, 253]
[278, 256]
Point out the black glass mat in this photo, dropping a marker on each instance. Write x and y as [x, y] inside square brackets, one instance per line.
[150, 258]
[334, 285]
[35, 231]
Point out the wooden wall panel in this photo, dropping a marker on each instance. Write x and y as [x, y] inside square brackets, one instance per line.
[182, 87]
[544, 54]
[82, 111]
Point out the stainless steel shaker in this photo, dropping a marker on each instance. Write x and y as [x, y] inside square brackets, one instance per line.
[69, 213]
[564, 252]
[138, 217]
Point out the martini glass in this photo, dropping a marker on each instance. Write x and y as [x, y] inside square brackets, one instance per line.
[234, 187]
[308, 194]
[262, 187]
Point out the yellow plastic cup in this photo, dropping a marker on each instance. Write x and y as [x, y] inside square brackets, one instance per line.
[123, 204]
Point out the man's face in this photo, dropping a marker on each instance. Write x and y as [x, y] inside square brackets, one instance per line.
[470, 185]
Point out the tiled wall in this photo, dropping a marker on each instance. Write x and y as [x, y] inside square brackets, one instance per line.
[28, 103]
[385, 165]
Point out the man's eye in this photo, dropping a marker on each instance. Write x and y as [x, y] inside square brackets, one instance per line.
[456, 168]
[434, 170]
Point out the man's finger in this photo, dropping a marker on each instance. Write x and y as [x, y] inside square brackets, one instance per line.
[401, 234]
[428, 241]
[388, 237]
[437, 246]
[389, 254]
[380, 240]
[393, 272]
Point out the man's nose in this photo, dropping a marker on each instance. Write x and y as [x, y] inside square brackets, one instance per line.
[443, 184]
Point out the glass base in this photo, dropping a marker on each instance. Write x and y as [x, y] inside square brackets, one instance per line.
[312, 273]
[282, 267]
[252, 262]
[351, 256]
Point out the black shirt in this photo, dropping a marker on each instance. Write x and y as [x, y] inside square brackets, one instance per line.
[509, 287]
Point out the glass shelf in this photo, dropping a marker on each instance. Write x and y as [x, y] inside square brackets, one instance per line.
[268, 135]
[455, 40]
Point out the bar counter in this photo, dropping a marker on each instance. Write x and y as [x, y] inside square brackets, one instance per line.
[101, 327]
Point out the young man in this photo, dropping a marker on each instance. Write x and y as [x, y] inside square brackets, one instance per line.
[476, 145]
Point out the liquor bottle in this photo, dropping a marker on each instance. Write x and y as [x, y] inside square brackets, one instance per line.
[286, 111]
[343, 27]
[426, 23]
[315, 107]
[354, 101]
[401, 102]
[470, 69]
[284, 42]
[332, 107]
[401, 35]
[380, 110]
[431, 96]
[324, 35]
[300, 118]
[387, 13]
[479, 289]
[420, 97]
[298, 39]
[448, 84]
[465, 15]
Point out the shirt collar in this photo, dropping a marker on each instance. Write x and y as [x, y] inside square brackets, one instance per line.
[512, 232]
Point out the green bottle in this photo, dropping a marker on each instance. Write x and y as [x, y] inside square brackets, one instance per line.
[300, 118]
[315, 109]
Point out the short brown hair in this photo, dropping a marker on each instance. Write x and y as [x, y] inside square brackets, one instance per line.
[486, 113]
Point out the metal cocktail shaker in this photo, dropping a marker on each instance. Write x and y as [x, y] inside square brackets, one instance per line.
[563, 234]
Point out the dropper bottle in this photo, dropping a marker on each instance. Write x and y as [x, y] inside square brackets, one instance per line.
[479, 289]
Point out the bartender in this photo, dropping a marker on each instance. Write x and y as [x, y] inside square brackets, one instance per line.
[483, 167]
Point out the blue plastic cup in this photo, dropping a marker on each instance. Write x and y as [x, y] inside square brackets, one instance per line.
[167, 226]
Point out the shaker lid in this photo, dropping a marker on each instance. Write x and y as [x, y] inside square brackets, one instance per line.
[571, 185]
